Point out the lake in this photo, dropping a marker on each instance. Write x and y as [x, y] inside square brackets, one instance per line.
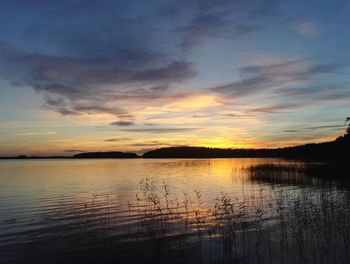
[169, 211]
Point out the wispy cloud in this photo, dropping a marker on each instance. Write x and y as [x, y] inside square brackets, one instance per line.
[324, 127]
[116, 139]
[319, 92]
[36, 133]
[160, 130]
[238, 115]
[275, 108]
[258, 78]
[227, 19]
[313, 128]
[293, 131]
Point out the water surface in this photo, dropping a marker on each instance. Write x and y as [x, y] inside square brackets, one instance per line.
[54, 207]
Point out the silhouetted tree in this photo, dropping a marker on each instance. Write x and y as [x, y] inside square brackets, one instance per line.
[348, 128]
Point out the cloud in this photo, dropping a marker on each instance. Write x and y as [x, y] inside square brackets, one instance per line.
[202, 116]
[320, 92]
[152, 143]
[238, 115]
[160, 130]
[324, 127]
[97, 56]
[112, 49]
[308, 29]
[116, 139]
[73, 79]
[293, 131]
[122, 123]
[227, 19]
[35, 133]
[312, 128]
[72, 87]
[258, 78]
[274, 108]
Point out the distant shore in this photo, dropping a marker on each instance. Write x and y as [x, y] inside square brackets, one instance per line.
[337, 149]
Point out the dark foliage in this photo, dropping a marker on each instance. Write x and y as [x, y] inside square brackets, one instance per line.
[340, 148]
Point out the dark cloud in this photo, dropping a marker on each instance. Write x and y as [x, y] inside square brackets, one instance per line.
[122, 123]
[293, 131]
[260, 78]
[61, 106]
[54, 101]
[66, 82]
[93, 53]
[64, 111]
[160, 88]
[116, 139]
[311, 128]
[324, 127]
[152, 143]
[77, 78]
[274, 108]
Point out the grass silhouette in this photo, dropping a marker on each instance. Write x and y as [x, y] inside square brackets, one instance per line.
[261, 227]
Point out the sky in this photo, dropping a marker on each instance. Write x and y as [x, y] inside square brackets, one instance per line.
[135, 75]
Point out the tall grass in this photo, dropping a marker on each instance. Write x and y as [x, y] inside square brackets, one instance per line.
[330, 170]
[264, 226]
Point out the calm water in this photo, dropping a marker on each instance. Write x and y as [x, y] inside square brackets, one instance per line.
[62, 210]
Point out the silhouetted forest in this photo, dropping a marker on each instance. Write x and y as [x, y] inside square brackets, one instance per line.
[340, 148]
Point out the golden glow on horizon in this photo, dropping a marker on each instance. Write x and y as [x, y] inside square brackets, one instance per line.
[60, 147]
[196, 102]
[210, 123]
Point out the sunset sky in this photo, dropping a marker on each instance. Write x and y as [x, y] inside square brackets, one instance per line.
[137, 75]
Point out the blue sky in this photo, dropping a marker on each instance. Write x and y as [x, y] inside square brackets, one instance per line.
[137, 75]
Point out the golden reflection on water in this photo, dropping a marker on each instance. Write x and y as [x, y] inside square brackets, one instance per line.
[35, 179]
[29, 187]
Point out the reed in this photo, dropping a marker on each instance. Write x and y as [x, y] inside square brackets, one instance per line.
[263, 226]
